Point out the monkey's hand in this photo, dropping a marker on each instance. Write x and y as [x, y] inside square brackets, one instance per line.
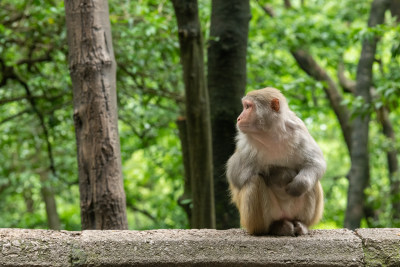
[278, 176]
[298, 186]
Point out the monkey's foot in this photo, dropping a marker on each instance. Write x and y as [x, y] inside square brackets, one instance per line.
[288, 228]
[300, 228]
[282, 228]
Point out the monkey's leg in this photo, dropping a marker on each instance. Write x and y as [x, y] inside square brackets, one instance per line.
[250, 200]
[313, 206]
[282, 228]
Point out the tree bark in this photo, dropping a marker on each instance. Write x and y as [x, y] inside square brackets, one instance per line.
[92, 68]
[185, 201]
[197, 113]
[227, 51]
[359, 172]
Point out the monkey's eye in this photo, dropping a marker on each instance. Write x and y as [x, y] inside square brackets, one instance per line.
[246, 105]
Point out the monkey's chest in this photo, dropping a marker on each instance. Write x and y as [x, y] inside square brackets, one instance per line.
[277, 154]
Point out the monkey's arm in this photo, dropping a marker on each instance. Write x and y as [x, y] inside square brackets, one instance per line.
[240, 170]
[310, 172]
[278, 176]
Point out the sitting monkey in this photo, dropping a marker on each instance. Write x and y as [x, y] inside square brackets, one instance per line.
[275, 171]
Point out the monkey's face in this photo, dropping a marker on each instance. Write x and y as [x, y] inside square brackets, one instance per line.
[258, 115]
[247, 120]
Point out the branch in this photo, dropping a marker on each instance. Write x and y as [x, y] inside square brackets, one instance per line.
[348, 85]
[288, 4]
[144, 212]
[267, 9]
[28, 110]
[32, 101]
[31, 61]
[309, 65]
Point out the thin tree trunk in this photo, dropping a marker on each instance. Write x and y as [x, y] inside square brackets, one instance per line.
[395, 9]
[92, 68]
[197, 113]
[393, 165]
[27, 195]
[185, 200]
[388, 131]
[227, 51]
[359, 172]
[53, 219]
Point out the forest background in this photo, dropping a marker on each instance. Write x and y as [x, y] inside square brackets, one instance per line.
[310, 49]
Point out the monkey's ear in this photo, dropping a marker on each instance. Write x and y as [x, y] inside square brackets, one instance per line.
[275, 104]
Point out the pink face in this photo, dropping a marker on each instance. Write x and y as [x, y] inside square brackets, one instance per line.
[246, 119]
[248, 122]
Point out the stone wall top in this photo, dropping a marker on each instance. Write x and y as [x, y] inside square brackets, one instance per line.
[206, 247]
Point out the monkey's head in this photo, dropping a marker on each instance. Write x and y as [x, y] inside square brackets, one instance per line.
[262, 110]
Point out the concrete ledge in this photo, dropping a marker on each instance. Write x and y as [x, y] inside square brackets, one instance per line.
[365, 247]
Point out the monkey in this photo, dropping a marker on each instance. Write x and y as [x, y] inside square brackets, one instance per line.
[274, 174]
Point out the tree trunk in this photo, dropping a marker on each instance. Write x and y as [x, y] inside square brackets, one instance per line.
[395, 9]
[393, 166]
[227, 51]
[359, 172]
[197, 113]
[389, 132]
[92, 68]
[53, 219]
[185, 201]
[27, 195]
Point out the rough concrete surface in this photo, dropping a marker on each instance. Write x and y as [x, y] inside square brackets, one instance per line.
[381, 246]
[370, 247]
[22, 247]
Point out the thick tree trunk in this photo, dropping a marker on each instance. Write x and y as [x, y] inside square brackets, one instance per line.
[359, 172]
[197, 113]
[92, 67]
[227, 51]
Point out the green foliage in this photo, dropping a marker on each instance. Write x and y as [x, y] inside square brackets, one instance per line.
[150, 97]
[332, 32]
[33, 57]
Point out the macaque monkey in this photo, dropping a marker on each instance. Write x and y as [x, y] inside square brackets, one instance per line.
[274, 173]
